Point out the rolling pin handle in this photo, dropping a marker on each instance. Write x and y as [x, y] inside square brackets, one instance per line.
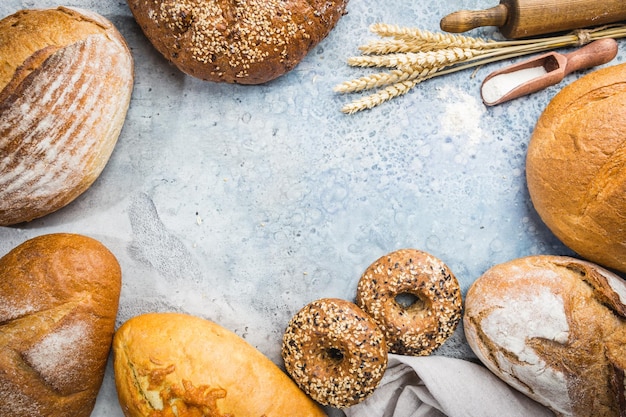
[465, 20]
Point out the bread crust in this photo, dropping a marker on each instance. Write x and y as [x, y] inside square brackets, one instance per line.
[236, 41]
[576, 166]
[553, 327]
[171, 359]
[59, 296]
[66, 86]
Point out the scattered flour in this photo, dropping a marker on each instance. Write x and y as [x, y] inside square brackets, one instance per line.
[461, 118]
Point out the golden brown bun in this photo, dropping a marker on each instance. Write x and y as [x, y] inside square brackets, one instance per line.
[170, 360]
[576, 166]
[554, 328]
[59, 296]
[65, 85]
[244, 42]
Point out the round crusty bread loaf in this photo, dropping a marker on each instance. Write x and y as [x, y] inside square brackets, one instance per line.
[59, 296]
[65, 84]
[576, 166]
[171, 361]
[236, 41]
[554, 328]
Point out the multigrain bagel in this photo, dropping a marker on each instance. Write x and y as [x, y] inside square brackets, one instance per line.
[422, 325]
[236, 41]
[335, 352]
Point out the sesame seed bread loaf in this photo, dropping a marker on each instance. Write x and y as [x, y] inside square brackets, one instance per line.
[65, 84]
[576, 166]
[554, 328]
[166, 362]
[59, 296]
[236, 41]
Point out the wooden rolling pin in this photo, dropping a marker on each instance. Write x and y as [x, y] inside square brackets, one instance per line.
[517, 19]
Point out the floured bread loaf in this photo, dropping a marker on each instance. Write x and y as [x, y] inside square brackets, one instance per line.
[170, 364]
[576, 166]
[65, 85]
[244, 42]
[59, 296]
[554, 328]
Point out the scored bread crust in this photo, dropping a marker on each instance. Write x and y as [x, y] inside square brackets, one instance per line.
[66, 83]
[576, 166]
[166, 361]
[59, 296]
[236, 41]
[553, 327]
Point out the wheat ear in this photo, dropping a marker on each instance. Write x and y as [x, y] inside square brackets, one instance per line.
[429, 59]
[371, 81]
[432, 39]
[381, 96]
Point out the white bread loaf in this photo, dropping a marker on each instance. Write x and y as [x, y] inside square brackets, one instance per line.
[554, 328]
[576, 166]
[59, 296]
[170, 361]
[65, 85]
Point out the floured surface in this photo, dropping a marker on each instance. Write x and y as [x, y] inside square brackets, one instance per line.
[243, 204]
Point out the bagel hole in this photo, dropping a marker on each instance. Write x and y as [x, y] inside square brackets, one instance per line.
[407, 300]
[334, 354]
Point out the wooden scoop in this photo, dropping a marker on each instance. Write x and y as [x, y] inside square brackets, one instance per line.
[497, 87]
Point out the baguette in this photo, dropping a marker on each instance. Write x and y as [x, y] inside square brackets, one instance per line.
[171, 361]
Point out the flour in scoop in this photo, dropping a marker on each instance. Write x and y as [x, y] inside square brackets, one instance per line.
[496, 87]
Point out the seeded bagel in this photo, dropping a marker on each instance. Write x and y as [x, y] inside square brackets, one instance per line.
[414, 298]
[236, 41]
[335, 352]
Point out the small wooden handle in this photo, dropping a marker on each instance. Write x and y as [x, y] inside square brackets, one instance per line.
[596, 53]
[465, 20]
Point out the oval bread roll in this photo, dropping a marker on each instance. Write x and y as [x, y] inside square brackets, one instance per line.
[59, 295]
[554, 328]
[576, 166]
[171, 361]
[65, 85]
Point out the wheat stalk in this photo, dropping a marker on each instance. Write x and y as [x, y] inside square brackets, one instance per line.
[372, 81]
[415, 55]
[440, 58]
[428, 38]
[373, 100]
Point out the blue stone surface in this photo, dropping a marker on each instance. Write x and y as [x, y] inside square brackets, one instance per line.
[241, 204]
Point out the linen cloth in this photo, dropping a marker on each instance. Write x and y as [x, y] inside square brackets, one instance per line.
[438, 386]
